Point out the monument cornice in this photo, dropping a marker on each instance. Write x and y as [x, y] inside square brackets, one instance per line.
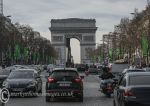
[72, 20]
[72, 28]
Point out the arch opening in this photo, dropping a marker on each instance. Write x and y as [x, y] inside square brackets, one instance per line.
[75, 50]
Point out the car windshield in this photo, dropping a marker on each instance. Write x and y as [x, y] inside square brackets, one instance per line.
[21, 75]
[139, 80]
[62, 73]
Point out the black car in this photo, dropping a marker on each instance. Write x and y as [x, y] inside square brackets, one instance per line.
[133, 89]
[81, 67]
[23, 81]
[92, 71]
[64, 83]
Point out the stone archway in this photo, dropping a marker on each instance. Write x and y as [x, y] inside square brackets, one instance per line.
[82, 29]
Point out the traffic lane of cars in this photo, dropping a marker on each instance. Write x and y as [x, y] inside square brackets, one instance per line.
[92, 97]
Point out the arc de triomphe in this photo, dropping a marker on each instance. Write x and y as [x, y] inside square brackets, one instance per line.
[82, 29]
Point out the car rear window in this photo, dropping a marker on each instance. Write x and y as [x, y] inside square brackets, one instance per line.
[139, 80]
[62, 73]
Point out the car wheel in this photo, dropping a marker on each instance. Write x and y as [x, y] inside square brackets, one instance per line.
[80, 98]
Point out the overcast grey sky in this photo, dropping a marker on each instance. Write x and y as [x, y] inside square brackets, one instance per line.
[38, 13]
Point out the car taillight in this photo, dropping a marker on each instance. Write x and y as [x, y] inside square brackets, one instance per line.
[51, 80]
[78, 80]
[127, 93]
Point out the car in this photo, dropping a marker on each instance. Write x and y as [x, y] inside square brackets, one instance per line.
[23, 81]
[92, 71]
[133, 89]
[81, 67]
[64, 83]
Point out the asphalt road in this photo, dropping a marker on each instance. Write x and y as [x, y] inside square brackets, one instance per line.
[92, 97]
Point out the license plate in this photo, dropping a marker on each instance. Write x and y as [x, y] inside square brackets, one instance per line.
[62, 94]
[64, 84]
[66, 94]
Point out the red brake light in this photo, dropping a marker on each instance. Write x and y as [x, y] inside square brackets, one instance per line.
[127, 93]
[78, 80]
[51, 80]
